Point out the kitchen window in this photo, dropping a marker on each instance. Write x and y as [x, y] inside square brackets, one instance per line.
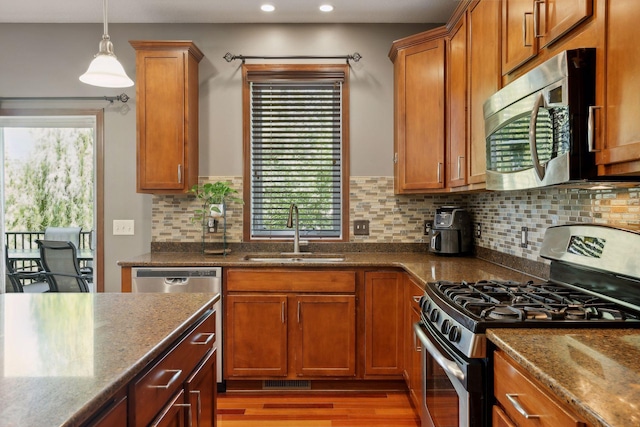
[296, 150]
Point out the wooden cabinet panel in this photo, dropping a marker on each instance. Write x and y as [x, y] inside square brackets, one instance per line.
[499, 418]
[151, 390]
[484, 79]
[557, 17]
[518, 41]
[173, 414]
[419, 73]
[620, 150]
[384, 324]
[200, 392]
[167, 115]
[457, 106]
[413, 349]
[113, 416]
[255, 335]
[519, 394]
[290, 281]
[325, 336]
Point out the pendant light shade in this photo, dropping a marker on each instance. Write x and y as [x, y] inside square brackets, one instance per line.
[105, 70]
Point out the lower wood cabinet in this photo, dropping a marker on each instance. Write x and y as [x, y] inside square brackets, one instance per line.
[523, 401]
[301, 324]
[384, 351]
[180, 385]
[413, 349]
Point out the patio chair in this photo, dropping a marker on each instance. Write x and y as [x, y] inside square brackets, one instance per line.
[69, 234]
[23, 280]
[60, 262]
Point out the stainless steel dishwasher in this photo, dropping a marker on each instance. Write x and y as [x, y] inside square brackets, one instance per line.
[184, 279]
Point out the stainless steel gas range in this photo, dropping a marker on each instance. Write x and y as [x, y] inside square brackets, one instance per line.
[594, 282]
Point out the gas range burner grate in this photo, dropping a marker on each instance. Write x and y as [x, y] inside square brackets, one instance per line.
[494, 301]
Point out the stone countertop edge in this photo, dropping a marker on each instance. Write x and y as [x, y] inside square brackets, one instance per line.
[596, 372]
[424, 267]
[99, 400]
[118, 319]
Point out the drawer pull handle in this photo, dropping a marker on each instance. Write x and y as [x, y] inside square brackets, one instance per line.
[518, 407]
[210, 337]
[173, 379]
[188, 406]
[199, 406]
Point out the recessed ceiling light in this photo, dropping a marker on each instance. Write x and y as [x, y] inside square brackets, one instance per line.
[268, 8]
[326, 8]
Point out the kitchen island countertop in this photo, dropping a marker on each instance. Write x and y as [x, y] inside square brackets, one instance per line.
[63, 356]
[595, 371]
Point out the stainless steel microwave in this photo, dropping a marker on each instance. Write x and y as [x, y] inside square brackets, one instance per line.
[538, 126]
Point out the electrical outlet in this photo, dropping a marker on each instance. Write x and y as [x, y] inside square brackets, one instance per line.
[524, 237]
[123, 227]
[426, 227]
[361, 227]
[478, 230]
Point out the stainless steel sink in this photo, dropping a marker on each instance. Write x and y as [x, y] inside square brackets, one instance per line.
[290, 257]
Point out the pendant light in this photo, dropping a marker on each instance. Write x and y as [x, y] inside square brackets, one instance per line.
[105, 70]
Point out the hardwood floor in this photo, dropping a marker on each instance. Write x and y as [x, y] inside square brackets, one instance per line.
[316, 409]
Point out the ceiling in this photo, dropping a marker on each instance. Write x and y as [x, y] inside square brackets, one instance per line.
[226, 11]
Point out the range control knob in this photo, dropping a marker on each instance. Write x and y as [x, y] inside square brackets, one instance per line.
[454, 333]
[423, 301]
[446, 326]
[433, 316]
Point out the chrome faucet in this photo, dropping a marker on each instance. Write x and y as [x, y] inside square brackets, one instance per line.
[296, 233]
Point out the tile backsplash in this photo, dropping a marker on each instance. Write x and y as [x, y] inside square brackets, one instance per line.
[399, 218]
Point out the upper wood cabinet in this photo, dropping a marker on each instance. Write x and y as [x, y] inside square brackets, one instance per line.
[530, 25]
[483, 74]
[457, 105]
[419, 112]
[618, 86]
[167, 115]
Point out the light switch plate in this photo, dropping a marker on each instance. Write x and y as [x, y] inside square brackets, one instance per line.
[123, 227]
[361, 227]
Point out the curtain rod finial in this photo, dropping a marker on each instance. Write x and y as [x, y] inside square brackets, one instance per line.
[229, 57]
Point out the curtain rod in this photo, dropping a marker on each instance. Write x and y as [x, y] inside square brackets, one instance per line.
[355, 57]
[123, 97]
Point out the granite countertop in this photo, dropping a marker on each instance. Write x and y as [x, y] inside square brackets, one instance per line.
[595, 371]
[424, 267]
[64, 355]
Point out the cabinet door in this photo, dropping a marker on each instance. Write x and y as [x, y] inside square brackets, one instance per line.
[620, 149]
[325, 337]
[161, 108]
[383, 323]
[557, 17]
[518, 41]
[484, 80]
[413, 349]
[113, 416]
[500, 419]
[420, 120]
[457, 106]
[200, 392]
[174, 414]
[255, 336]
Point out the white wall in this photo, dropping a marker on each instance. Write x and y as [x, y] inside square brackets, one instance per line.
[46, 60]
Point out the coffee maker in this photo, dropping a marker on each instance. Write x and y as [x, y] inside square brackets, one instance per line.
[451, 231]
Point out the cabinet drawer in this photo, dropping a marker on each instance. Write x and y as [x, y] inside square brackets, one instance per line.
[153, 389]
[291, 281]
[519, 395]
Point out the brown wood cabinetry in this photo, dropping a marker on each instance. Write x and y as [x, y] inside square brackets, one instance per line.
[483, 74]
[290, 324]
[114, 415]
[158, 394]
[419, 112]
[384, 298]
[456, 170]
[413, 350]
[531, 25]
[619, 143]
[524, 401]
[167, 115]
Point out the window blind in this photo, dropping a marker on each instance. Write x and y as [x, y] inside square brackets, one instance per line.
[296, 156]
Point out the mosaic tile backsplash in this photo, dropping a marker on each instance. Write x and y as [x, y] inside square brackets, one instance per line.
[399, 218]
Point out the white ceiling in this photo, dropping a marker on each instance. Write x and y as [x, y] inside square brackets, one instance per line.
[226, 11]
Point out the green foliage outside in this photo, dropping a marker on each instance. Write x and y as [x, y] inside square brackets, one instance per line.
[54, 186]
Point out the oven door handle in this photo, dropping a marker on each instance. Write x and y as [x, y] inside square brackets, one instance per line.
[449, 366]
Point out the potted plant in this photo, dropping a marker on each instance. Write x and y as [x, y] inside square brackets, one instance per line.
[213, 198]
